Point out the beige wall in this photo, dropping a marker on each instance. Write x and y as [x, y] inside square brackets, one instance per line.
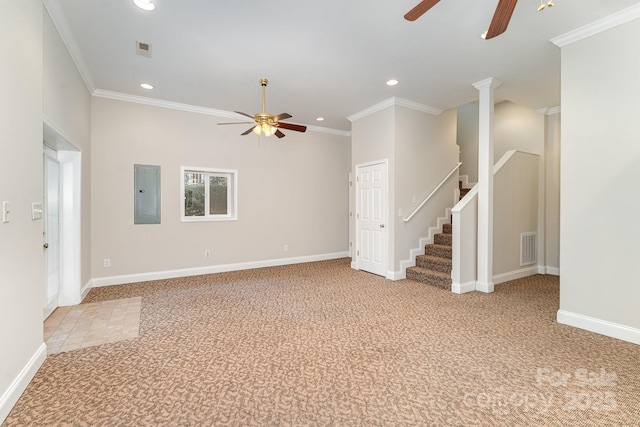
[517, 128]
[467, 140]
[552, 191]
[425, 153]
[372, 139]
[292, 191]
[421, 151]
[21, 261]
[600, 231]
[67, 108]
[515, 209]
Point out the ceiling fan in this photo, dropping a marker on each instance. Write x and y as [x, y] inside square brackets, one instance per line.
[499, 23]
[265, 123]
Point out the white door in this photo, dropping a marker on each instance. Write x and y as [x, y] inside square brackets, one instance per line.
[51, 240]
[371, 218]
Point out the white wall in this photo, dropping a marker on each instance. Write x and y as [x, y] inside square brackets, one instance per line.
[21, 260]
[67, 108]
[600, 231]
[292, 191]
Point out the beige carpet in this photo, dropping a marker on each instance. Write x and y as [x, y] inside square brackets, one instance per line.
[322, 345]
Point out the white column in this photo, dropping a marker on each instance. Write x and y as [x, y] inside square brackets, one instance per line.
[485, 184]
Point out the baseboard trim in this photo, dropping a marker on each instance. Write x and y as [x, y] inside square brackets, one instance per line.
[599, 326]
[554, 271]
[397, 275]
[170, 274]
[18, 386]
[85, 290]
[515, 274]
[485, 287]
[463, 288]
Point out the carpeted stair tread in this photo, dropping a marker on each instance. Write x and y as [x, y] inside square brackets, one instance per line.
[435, 263]
[430, 277]
[447, 228]
[442, 239]
[442, 251]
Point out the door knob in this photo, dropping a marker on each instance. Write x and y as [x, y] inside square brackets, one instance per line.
[46, 245]
[381, 225]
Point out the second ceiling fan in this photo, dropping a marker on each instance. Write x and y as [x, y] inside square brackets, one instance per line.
[499, 23]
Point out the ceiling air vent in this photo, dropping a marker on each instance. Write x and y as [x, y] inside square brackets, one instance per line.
[143, 49]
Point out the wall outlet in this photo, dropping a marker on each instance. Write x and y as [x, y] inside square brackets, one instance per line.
[286, 248]
[415, 199]
[399, 212]
[107, 263]
[207, 253]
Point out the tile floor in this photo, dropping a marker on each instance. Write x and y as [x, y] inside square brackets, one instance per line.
[85, 325]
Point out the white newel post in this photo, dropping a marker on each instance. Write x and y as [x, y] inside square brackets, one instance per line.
[485, 184]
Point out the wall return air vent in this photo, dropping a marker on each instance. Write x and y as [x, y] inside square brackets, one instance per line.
[528, 248]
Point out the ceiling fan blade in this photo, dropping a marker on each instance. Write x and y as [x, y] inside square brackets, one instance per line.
[291, 126]
[236, 123]
[279, 134]
[282, 116]
[244, 114]
[501, 18]
[248, 131]
[420, 9]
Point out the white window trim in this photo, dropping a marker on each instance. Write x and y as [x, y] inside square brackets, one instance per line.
[233, 212]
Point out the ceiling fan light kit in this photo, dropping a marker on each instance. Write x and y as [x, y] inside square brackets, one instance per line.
[499, 22]
[267, 124]
[145, 4]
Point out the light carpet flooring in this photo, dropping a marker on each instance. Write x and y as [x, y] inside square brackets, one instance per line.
[320, 344]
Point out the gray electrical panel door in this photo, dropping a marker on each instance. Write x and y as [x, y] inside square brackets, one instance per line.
[146, 188]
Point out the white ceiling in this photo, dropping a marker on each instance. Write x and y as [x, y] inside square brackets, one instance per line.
[329, 58]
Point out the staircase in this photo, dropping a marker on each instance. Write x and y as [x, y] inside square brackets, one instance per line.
[434, 267]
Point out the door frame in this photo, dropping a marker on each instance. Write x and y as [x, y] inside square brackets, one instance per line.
[70, 159]
[388, 230]
[50, 157]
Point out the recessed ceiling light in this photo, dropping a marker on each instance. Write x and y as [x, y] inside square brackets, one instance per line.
[320, 119]
[148, 86]
[483, 36]
[145, 4]
[392, 82]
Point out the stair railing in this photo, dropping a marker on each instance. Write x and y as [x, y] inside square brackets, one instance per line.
[435, 190]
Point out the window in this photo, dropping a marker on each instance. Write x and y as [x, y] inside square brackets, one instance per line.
[209, 194]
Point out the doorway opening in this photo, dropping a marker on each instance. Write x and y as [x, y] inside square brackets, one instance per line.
[62, 227]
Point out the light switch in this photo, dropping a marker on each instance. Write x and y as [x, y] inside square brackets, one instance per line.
[6, 210]
[36, 210]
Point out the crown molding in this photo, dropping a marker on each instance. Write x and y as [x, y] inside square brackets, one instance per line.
[394, 101]
[329, 130]
[118, 96]
[60, 22]
[490, 83]
[598, 26]
[548, 111]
